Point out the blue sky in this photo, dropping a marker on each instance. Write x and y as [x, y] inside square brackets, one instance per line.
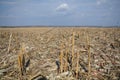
[60, 12]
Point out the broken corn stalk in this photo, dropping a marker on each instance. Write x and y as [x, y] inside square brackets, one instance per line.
[77, 66]
[89, 55]
[66, 63]
[61, 61]
[21, 61]
[73, 49]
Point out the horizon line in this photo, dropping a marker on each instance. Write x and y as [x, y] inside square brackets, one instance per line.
[53, 26]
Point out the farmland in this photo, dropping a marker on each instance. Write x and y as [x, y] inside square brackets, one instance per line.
[49, 53]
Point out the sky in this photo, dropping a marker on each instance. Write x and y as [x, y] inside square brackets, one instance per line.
[60, 12]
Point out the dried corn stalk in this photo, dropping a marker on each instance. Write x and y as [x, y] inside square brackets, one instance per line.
[61, 62]
[21, 61]
[9, 42]
[77, 66]
[66, 63]
[61, 59]
[89, 55]
[73, 49]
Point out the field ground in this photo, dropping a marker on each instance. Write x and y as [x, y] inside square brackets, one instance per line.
[59, 53]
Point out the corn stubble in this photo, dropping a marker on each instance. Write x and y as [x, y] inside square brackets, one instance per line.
[74, 62]
[71, 60]
[86, 54]
[21, 62]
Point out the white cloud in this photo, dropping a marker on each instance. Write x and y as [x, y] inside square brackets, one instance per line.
[99, 2]
[62, 7]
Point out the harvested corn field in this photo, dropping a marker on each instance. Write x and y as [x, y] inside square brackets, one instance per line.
[59, 53]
